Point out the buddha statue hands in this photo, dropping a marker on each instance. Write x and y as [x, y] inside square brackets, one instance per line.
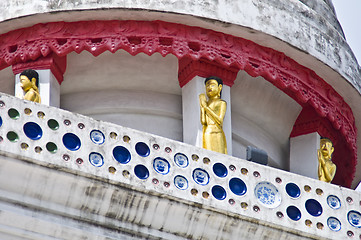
[29, 80]
[212, 115]
[326, 168]
[203, 100]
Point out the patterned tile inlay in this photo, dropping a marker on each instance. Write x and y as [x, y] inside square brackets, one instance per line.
[334, 224]
[354, 219]
[333, 202]
[267, 194]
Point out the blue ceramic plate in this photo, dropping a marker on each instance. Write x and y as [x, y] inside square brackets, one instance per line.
[334, 202]
[33, 130]
[181, 160]
[267, 194]
[334, 224]
[200, 176]
[181, 182]
[97, 137]
[96, 159]
[161, 166]
[354, 218]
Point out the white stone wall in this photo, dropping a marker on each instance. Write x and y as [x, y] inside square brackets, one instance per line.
[7, 81]
[140, 92]
[263, 117]
[65, 194]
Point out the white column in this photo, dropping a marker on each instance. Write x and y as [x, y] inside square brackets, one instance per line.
[192, 127]
[49, 88]
[358, 188]
[303, 155]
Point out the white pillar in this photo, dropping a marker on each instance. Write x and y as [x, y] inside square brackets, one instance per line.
[303, 155]
[192, 127]
[49, 88]
[358, 188]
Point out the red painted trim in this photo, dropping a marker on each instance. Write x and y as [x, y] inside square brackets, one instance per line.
[188, 69]
[299, 82]
[56, 64]
[309, 121]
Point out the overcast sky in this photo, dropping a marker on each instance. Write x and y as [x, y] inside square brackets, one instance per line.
[349, 15]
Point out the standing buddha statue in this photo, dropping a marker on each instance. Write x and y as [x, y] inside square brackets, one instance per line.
[326, 168]
[212, 116]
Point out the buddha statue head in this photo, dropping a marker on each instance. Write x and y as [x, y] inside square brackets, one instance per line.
[29, 81]
[29, 78]
[214, 87]
[326, 148]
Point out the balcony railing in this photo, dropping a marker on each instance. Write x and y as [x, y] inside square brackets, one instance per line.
[75, 143]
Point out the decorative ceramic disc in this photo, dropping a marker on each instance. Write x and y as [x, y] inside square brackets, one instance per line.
[334, 224]
[121, 154]
[161, 166]
[71, 141]
[334, 202]
[200, 176]
[293, 213]
[33, 130]
[96, 159]
[220, 170]
[293, 190]
[267, 194]
[354, 218]
[313, 207]
[142, 149]
[181, 160]
[237, 186]
[181, 182]
[97, 137]
[141, 171]
[219, 192]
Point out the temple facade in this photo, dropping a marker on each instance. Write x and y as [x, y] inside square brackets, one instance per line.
[114, 148]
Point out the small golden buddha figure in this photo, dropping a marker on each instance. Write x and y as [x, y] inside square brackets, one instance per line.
[326, 168]
[29, 80]
[212, 115]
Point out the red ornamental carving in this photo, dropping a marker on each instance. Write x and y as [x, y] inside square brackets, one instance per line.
[300, 83]
[189, 68]
[56, 64]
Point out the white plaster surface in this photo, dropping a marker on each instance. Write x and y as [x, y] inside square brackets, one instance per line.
[46, 196]
[262, 117]
[120, 71]
[192, 126]
[227, 122]
[140, 92]
[358, 188]
[303, 155]
[152, 112]
[7, 83]
[62, 205]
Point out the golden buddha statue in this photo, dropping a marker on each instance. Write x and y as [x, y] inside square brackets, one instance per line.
[29, 80]
[326, 168]
[212, 115]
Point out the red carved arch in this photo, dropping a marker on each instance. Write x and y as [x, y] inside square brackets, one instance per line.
[299, 82]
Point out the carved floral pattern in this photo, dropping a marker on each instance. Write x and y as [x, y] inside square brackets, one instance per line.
[299, 82]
